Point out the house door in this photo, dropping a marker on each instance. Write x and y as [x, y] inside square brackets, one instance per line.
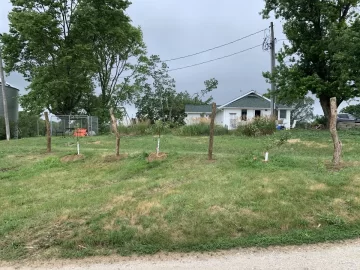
[232, 120]
[257, 113]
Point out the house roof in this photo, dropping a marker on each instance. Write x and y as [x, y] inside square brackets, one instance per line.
[251, 99]
[9, 85]
[198, 108]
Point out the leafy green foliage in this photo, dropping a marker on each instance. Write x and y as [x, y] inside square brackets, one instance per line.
[44, 46]
[259, 126]
[64, 47]
[117, 51]
[201, 129]
[3, 130]
[161, 101]
[30, 125]
[323, 53]
[352, 109]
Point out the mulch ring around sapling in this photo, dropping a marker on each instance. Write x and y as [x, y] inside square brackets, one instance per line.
[114, 158]
[154, 156]
[71, 158]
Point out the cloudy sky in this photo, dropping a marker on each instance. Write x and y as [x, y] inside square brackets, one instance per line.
[174, 28]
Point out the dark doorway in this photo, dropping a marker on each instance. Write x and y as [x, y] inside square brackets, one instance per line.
[257, 113]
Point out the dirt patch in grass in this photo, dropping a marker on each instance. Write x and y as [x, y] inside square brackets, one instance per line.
[315, 144]
[145, 207]
[114, 158]
[343, 165]
[216, 209]
[155, 156]
[308, 143]
[97, 142]
[118, 200]
[318, 187]
[294, 141]
[71, 158]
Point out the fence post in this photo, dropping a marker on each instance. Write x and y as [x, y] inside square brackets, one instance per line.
[116, 131]
[47, 122]
[212, 126]
[334, 134]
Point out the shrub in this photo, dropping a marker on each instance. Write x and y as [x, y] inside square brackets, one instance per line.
[139, 128]
[3, 129]
[202, 129]
[320, 120]
[145, 128]
[258, 127]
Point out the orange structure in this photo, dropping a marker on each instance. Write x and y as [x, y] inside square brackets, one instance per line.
[80, 132]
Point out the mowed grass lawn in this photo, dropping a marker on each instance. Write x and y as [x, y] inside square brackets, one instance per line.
[51, 208]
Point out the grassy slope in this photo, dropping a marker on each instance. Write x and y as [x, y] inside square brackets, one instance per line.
[50, 208]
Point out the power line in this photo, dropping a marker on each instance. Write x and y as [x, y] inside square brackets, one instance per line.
[212, 60]
[217, 47]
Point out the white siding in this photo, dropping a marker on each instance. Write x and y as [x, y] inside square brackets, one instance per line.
[266, 112]
[223, 117]
[227, 113]
[219, 118]
[286, 120]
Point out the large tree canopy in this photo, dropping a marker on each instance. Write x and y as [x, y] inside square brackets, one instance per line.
[323, 36]
[161, 101]
[44, 46]
[64, 47]
[118, 50]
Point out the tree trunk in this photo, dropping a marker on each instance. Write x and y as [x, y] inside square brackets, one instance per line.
[212, 126]
[48, 132]
[117, 134]
[333, 131]
[325, 105]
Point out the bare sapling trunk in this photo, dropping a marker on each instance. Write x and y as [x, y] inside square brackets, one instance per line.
[115, 129]
[334, 134]
[212, 127]
[48, 132]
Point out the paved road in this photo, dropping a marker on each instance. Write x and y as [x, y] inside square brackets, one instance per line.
[339, 256]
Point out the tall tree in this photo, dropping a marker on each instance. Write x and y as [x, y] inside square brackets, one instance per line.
[44, 46]
[118, 50]
[314, 61]
[161, 101]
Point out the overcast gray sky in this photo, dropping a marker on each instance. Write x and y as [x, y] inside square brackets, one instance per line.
[174, 28]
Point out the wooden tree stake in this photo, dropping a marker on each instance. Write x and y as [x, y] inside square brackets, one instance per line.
[212, 126]
[334, 134]
[48, 132]
[117, 134]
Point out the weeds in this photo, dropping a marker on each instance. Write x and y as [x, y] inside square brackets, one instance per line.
[259, 126]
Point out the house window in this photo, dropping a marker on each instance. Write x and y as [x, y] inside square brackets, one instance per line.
[243, 115]
[282, 114]
[232, 120]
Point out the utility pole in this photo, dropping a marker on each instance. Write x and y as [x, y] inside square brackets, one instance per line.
[3, 85]
[272, 45]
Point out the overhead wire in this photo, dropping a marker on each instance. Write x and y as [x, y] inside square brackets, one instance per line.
[216, 59]
[214, 48]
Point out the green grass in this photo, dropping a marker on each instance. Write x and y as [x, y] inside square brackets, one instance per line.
[51, 208]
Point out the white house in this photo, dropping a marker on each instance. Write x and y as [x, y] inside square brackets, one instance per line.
[239, 111]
